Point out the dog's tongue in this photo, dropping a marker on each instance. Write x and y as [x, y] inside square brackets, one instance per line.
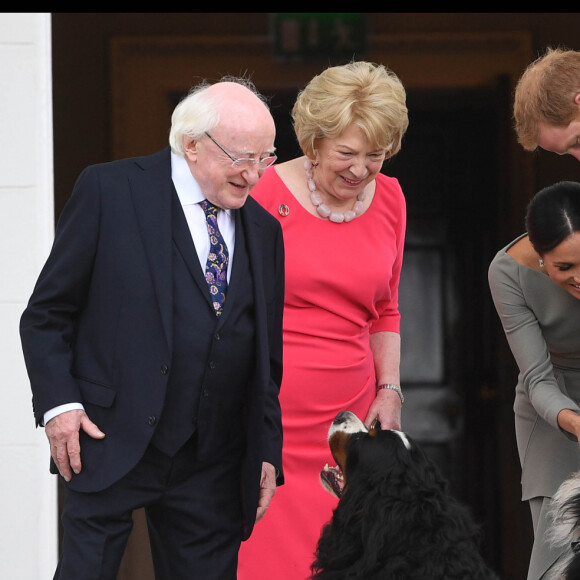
[332, 480]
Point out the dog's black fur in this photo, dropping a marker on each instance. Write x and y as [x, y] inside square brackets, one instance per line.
[565, 529]
[396, 519]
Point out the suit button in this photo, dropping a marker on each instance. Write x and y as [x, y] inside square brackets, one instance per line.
[151, 420]
[217, 336]
[164, 369]
[212, 364]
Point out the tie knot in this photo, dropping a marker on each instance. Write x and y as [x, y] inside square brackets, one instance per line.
[209, 208]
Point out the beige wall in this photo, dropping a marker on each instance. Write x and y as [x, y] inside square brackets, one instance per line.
[28, 502]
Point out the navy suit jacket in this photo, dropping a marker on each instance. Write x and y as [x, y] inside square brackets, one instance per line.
[98, 326]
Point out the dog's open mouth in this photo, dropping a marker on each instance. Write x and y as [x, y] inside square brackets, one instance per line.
[332, 480]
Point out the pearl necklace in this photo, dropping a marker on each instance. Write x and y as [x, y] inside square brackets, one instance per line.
[323, 210]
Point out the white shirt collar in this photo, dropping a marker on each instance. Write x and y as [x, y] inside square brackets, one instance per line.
[187, 188]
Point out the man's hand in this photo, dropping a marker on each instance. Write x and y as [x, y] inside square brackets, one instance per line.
[267, 489]
[63, 435]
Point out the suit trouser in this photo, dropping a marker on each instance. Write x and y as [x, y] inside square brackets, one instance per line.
[193, 514]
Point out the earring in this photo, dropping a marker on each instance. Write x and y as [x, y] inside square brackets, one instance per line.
[541, 263]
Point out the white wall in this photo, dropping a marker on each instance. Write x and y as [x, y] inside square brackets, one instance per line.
[28, 500]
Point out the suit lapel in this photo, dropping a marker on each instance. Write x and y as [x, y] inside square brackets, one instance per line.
[241, 266]
[252, 228]
[151, 192]
[185, 246]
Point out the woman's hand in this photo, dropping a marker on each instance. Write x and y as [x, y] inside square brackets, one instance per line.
[570, 421]
[386, 408]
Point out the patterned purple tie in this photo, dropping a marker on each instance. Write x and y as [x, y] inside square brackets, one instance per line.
[216, 268]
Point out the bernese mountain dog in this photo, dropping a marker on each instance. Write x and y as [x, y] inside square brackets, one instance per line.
[396, 518]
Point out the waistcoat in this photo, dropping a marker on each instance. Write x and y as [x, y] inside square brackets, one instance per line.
[213, 357]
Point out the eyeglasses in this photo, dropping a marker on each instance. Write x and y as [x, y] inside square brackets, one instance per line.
[246, 162]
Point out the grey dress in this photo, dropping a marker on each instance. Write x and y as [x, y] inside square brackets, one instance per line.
[541, 321]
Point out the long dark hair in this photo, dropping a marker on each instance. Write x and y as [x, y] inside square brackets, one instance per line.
[553, 214]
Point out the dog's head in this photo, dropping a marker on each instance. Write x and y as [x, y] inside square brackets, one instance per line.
[395, 517]
[344, 437]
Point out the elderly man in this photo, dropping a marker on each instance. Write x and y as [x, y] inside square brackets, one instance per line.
[153, 343]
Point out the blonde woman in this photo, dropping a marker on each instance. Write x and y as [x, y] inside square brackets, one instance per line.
[344, 228]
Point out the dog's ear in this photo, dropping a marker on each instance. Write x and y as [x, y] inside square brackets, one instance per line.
[337, 444]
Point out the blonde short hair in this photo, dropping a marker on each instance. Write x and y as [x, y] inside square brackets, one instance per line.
[545, 94]
[360, 92]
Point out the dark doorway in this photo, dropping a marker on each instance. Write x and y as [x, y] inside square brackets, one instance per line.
[449, 169]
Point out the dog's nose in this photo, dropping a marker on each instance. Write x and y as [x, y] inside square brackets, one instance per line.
[340, 418]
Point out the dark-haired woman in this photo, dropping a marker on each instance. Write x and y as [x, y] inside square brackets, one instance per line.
[535, 285]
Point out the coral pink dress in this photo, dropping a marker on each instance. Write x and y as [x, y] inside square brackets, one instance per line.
[341, 284]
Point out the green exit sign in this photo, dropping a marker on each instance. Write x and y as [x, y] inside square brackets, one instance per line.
[308, 34]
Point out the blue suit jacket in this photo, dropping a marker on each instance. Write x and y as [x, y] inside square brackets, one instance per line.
[98, 326]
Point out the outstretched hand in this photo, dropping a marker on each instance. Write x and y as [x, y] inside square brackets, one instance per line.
[63, 435]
